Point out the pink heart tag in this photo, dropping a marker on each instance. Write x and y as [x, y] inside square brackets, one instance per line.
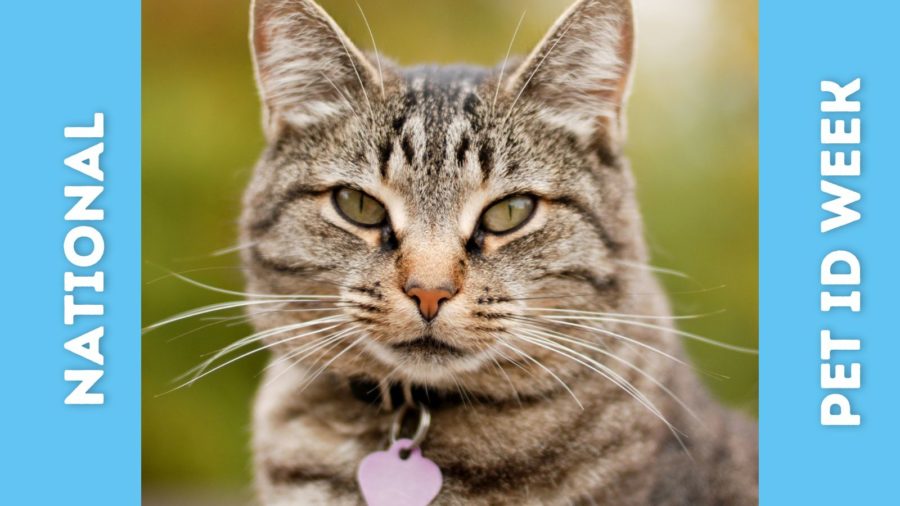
[386, 479]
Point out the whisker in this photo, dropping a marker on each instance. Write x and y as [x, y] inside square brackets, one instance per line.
[653, 268]
[689, 335]
[503, 373]
[699, 290]
[625, 315]
[466, 402]
[203, 372]
[374, 47]
[242, 319]
[467, 399]
[322, 369]
[168, 273]
[297, 356]
[545, 368]
[295, 353]
[629, 341]
[307, 349]
[259, 336]
[601, 369]
[212, 308]
[358, 76]
[611, 334]
[514, 362]
[535, 71]
[545, 297]
[505, 62]
[609, 374]
[642, 372]
[233, 321]
[577, 295]
[197, 329]
[248, 340]
[233, 249]
[249, 294]
[221, 306]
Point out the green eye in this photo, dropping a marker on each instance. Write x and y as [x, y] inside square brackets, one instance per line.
[359, 208]
[508, 214]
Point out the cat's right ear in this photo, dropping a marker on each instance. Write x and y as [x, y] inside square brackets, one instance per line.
[307, 70]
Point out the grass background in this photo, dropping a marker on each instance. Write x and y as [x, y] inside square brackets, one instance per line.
[693, 135]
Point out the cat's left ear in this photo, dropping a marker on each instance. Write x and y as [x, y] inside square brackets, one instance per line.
[579, 76]
[307, 69]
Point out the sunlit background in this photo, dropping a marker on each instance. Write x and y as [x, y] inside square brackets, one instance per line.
[693, 134]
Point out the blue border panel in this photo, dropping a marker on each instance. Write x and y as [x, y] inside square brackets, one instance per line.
[803, 462]
[62, 62]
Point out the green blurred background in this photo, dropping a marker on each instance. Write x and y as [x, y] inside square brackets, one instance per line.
[693, 134]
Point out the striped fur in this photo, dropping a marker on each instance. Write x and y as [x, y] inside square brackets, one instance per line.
[435, 147]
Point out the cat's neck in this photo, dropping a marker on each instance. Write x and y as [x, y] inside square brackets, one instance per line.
[541, 444]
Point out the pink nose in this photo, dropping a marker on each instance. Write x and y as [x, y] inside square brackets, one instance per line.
[429, 300]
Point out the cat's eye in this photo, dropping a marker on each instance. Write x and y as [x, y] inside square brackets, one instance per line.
[508, 214]
[359, 208]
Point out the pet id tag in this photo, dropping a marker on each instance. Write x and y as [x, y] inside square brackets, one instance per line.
[400, 475]
[387, 479]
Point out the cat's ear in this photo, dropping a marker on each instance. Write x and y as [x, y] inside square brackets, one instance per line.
[580, 74]
[307, 69]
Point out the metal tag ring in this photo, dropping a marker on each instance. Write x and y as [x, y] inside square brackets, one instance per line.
[421, 429]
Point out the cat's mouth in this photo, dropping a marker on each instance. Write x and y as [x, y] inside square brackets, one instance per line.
[428, 346]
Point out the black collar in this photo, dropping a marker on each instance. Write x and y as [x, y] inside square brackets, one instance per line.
[370, 392]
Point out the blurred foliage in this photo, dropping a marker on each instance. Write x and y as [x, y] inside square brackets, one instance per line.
[693, 128]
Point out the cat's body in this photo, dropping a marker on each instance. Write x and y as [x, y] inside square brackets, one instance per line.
[540, 452]
[573, 389]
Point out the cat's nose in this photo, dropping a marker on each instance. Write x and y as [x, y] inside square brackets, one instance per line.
[429, 300]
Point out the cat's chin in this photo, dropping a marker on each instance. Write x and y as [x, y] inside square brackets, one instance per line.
[428, 348]
[426, 359]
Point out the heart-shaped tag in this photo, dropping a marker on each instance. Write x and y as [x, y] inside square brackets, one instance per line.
[387, 479]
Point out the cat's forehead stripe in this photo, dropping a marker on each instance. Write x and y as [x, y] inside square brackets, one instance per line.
[441, 100]
[436, 127]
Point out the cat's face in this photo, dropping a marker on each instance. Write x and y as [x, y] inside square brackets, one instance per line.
[441, 207]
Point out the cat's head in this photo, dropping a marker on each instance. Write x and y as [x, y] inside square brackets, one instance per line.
[442, 206]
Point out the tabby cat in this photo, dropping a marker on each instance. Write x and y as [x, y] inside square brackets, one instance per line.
[468, 240]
